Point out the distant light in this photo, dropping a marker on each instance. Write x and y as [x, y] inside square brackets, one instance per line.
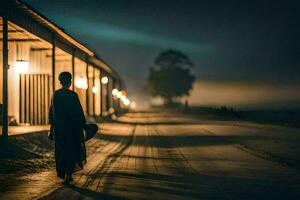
[104, 80]
[126, 102]
[115, 92]
[111, 110]
[81, 83]
[123, 93]
[22, 66]
[119, 94]
[133, 105]
[95, 89]
[123, 98]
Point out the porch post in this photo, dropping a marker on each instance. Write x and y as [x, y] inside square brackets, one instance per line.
[4, 83]
[53, 64]
[87, 90]
[113, 82]
[73, 70]
[94, 96]
[101, 94]
[119, 100]
[107, 95]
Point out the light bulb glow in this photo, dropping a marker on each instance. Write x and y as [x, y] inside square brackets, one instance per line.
[123, 93]
[104, 80]
[123, 98]
[114, 92]
[81, 83]
[126, 102]
[119, 94]
[95, 89]
[111, 110]
[22, 66]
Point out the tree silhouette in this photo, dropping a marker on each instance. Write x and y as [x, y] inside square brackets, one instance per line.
[171, 77]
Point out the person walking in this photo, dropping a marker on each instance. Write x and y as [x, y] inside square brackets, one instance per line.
[67, 122]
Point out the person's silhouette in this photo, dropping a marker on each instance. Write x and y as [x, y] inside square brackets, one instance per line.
[67, 121]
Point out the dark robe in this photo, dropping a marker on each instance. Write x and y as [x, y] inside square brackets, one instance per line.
[67, 120]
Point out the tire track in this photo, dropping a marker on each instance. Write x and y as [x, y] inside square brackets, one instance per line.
[92, 174]
[150, 145]
[112, 158]
[95, 172]
[94, 151]
[181, 163]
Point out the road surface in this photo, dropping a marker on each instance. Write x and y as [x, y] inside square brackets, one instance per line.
[155, 156]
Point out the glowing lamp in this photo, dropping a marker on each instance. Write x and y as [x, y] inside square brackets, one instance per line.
[119, 94]
[111, 110]
[123, 98]
[123, 93]
[104, 80]
[81, 83]
[114, 92]
[22, 66]
[126, 102]
[95, 89]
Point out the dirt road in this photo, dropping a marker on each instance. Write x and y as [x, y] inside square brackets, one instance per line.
[152, 156]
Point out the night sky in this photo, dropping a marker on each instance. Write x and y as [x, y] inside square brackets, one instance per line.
[227, 40]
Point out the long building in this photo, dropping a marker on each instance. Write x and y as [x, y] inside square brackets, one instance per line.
[33, 53]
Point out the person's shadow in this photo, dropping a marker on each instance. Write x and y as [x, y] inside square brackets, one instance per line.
[78, 193]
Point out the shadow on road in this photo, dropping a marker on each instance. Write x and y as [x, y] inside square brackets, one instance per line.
[76, 192]
[182, 140]
[186, 186]
[198, 186]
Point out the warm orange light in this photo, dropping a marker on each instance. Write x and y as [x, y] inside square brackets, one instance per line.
[133, 105]
[123, 93]
[22, 66]
[111, 110]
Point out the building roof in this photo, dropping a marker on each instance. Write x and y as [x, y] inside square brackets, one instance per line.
[43, 20]
[40, 25]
